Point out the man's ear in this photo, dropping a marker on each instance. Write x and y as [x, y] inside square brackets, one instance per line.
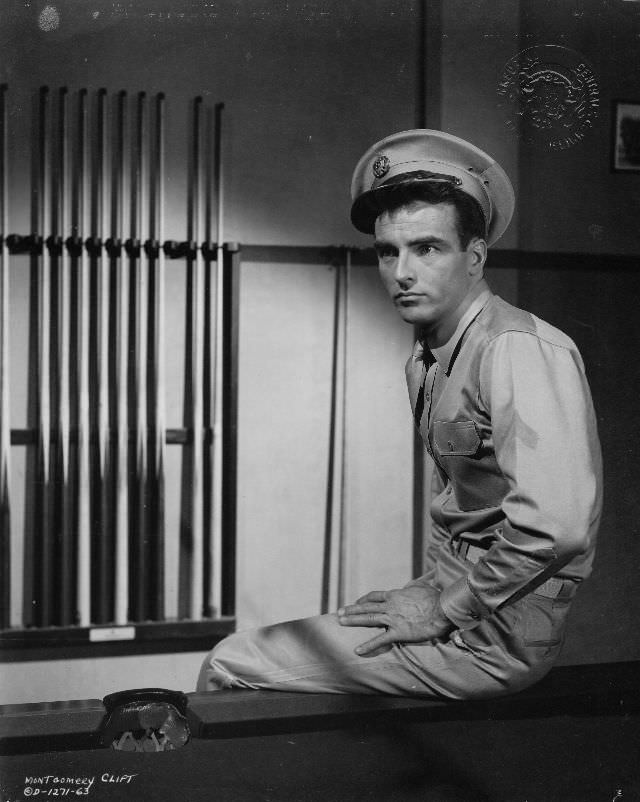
[477, 250]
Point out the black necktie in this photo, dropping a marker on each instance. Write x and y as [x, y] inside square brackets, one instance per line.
[428, 360]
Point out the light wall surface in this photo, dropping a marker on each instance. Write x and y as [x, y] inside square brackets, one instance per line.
[284, 408]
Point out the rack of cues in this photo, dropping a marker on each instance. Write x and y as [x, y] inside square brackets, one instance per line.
[94, 541]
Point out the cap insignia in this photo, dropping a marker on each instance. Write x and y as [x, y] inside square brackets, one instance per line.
[381, 166]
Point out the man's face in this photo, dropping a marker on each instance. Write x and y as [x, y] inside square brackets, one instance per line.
[423, 267]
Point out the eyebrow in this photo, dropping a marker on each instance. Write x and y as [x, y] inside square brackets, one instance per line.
[418, 241]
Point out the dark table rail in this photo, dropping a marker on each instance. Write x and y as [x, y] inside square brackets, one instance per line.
[599, 689]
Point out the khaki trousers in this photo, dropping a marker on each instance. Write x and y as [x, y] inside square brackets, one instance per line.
[503, 654]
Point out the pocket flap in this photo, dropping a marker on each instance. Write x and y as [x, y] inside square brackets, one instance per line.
[458, 438]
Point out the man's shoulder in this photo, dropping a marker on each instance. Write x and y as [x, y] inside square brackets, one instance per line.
[499, 317]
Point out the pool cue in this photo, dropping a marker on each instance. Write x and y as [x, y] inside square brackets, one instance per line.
[215, 597]
[6, 614]
[208, 365]
[104, 555]
[197, 354]
[338, 453]
[79, 228]
[122, 263]
[67, 551]
[343, 541]
[156, 233]
[328, 554]
[139, 177]
[335, 462]
[46, 547]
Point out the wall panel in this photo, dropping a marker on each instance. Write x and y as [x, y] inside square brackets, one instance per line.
[286, 337]
[598, 309]
[283, 428]
[379, 440]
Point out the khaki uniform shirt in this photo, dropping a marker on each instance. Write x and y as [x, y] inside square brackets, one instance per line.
[506, 414]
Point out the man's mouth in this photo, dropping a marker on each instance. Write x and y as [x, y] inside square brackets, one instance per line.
[408, 296]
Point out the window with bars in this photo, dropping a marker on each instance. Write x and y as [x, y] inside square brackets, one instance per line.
[117, 521]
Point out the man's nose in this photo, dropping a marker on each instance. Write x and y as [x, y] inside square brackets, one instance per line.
[404, 273]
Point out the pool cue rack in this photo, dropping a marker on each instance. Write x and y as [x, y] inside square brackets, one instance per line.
[95, 530]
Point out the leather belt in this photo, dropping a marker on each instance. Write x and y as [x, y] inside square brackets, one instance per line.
[468, 551]
[552, 588]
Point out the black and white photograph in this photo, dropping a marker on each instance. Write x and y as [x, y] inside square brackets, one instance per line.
[319, 419]
[626, 137]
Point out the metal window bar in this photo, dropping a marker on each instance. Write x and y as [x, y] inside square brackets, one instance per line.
[94, 539]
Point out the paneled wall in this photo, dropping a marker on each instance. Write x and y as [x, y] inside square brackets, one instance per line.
[597, 306]
[569, 201]
[308, 86]
[286, 343]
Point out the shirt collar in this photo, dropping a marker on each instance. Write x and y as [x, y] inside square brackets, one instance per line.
[444, 355]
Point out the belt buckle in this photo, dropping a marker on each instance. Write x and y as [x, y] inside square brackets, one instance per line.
[554, 588]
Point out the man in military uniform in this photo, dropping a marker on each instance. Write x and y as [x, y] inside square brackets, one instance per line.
[503, 406]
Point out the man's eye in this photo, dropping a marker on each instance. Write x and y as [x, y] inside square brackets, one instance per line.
[425, 250]
[385, 253]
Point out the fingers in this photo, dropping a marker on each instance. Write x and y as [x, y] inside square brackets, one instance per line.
[377, 652]
[357, 608]
[368, 611]
[373, 596]
[378, 645]
[364, 620]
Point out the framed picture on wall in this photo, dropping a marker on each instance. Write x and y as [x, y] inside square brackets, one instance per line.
[625, 144]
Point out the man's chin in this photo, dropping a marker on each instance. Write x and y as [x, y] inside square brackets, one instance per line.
[414, 318]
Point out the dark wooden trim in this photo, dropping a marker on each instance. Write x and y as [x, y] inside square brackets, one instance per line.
[558, 260]
[498, 258]
[578, 691]
[303, 254]
[51, 643]
[583, 690]
[527, 260]
[50, 726]
[428, 112]
[180, 437]
[419, 506]
[230, 337]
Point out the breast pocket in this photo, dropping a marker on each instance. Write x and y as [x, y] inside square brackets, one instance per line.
[457, 445]
[458, 438]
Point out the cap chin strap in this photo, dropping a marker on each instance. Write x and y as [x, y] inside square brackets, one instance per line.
[419, 175]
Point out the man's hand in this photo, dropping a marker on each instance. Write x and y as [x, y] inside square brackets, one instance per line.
[409, 615]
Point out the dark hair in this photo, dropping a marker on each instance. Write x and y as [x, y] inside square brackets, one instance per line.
[401, 191]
